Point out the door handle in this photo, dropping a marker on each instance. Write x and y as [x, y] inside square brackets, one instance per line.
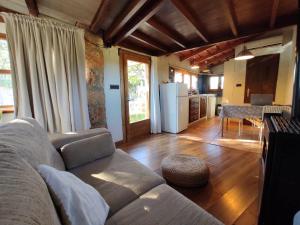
[248, 92]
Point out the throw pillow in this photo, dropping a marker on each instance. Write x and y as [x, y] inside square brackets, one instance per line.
[77, 202]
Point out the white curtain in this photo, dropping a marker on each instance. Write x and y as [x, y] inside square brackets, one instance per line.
[154, 98]
[48, 67]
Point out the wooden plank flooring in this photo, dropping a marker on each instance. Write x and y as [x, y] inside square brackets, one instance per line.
[232, 192]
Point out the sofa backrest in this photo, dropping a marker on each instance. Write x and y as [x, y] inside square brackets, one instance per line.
[24, 197]
[31, 142]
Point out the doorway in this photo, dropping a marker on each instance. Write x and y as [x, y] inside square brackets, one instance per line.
[261, 76]
[136, 84]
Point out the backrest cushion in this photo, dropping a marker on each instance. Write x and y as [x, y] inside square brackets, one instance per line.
[24, 197]
[60, 139]
[31, 142]
[87, 150]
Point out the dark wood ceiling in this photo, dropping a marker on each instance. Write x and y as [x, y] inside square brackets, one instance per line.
[210, 28]
[204, 32]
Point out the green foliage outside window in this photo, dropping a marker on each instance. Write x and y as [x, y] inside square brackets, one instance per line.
[4, 56]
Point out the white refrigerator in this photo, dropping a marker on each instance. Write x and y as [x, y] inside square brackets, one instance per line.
[174, 104]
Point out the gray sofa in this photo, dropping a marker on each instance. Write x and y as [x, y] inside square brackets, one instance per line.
[135, 194]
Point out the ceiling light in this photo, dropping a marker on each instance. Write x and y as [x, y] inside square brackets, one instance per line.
[206, 70]
[195, 67]
[244, 54]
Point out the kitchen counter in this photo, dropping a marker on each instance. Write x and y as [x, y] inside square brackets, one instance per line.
[201, 106]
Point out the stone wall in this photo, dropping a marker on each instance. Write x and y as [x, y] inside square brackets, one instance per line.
[95, 79]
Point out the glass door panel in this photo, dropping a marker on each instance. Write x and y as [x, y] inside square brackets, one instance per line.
[138, 91]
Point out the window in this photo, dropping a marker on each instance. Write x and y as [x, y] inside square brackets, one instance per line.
[184, 76]
[216, 83]
[6, 91]
[178, 77]
[222, 82]
[194, 82]
[187, 80]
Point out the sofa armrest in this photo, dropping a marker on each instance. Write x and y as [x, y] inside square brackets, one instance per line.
[297, 219]
[87, 150]
[60, 139]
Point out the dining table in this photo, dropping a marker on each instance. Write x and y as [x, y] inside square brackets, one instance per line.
[248, 111]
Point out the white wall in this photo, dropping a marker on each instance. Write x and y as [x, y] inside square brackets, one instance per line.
[113, 97]
[164, 62]
[219, 69]
[235, 73]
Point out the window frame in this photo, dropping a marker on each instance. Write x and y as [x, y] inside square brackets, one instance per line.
[219, 89]
[6, 108]
[184, 72]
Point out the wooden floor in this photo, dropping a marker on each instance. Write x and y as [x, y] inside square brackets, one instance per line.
[232, 192]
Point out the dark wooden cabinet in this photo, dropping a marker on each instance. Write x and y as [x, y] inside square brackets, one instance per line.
[261, 76]
[193, 109]
[203, 106]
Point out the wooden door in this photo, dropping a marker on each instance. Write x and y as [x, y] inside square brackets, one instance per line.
[261, 76]
[136, 80]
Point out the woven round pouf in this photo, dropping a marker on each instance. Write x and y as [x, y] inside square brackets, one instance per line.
[185, 170]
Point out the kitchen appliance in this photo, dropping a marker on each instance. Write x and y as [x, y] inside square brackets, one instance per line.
[174, 103]
[280, 175]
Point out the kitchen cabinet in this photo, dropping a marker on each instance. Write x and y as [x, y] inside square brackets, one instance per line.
[193, 109]
[203, 106]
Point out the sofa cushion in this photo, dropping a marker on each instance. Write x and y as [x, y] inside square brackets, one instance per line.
[24, 197]
[60, 139]
[119, 178]
[86, 150]
[162, 206]
[31, 142]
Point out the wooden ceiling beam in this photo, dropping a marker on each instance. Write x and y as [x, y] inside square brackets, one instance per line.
[135, 46]
[274, 10]
[282, 21]
[221, 61]
[227, 54]
[194, 53]
[214, 56]
[173, 35]
[218, 60]
[188, 13]
[99, 16]
[231, 16]
[210, 51]
[131, 8]
[144, 14]
[32, 7]
[221, 50]
[149, 40]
